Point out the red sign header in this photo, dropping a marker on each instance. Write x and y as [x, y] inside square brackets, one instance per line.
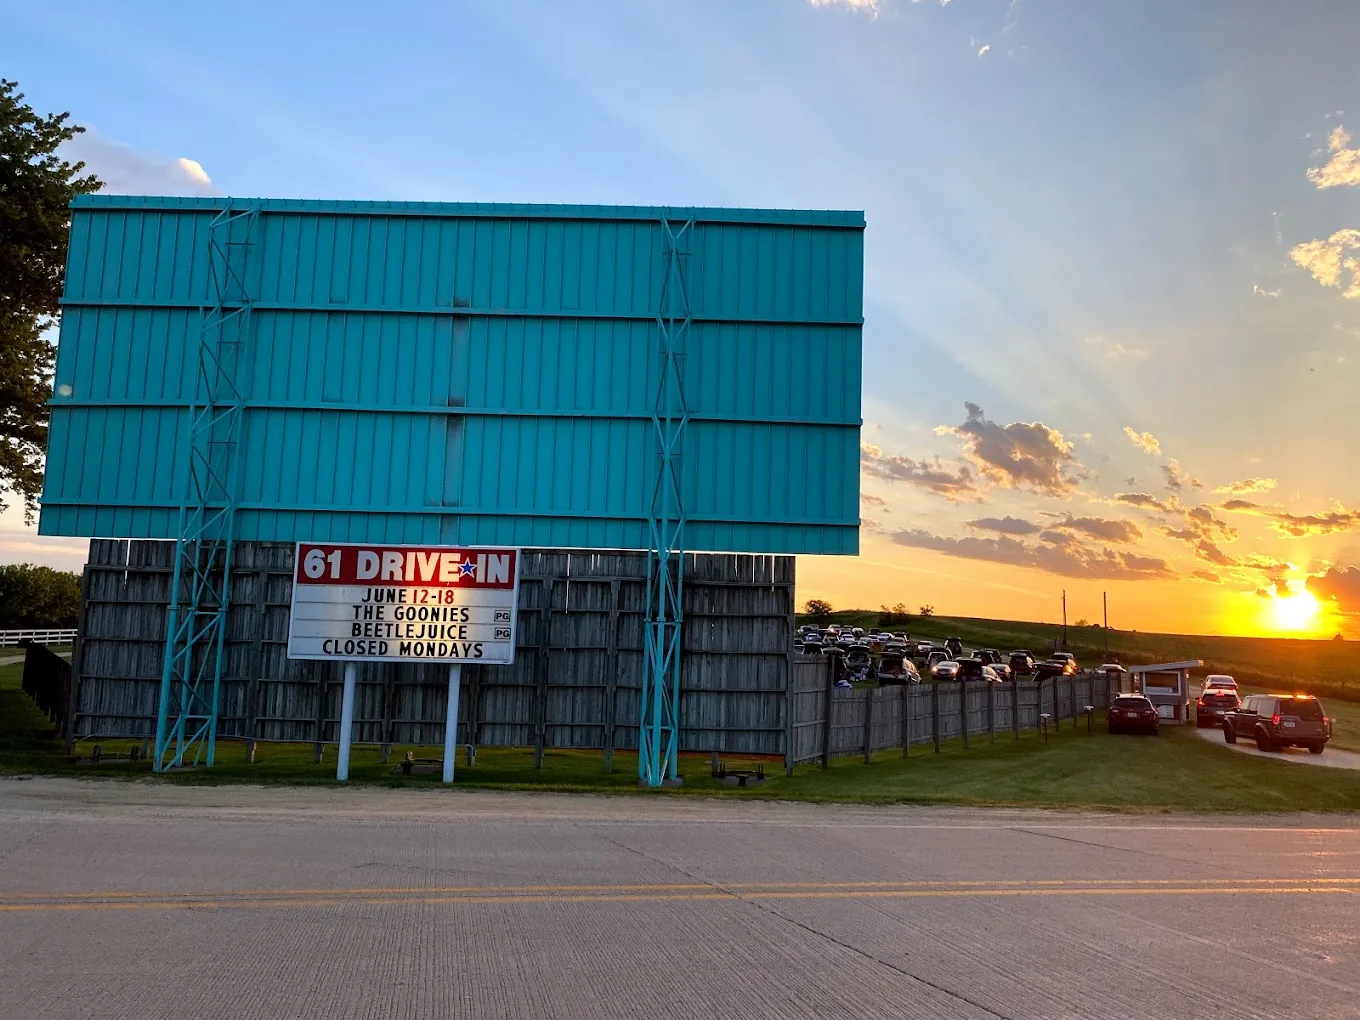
[409, 566]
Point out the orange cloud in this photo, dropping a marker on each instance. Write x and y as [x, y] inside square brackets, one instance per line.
[1299, 525]
[1328, 260]
[1022, 455]
[1344, 166]
[1247, 486]
[1145, 441]
[955, 485]
[1064, 555]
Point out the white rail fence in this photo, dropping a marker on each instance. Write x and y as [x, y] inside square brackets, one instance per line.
[42, 637]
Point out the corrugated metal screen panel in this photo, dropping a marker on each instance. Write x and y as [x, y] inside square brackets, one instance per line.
[467, 373]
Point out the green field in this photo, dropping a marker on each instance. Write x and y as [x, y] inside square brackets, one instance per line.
[1279, 664]
[1174, 772]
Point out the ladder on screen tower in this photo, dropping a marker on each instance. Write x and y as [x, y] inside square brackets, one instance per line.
[200, 592]
[659, 732]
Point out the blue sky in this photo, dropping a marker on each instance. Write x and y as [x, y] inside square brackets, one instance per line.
[1080, 214]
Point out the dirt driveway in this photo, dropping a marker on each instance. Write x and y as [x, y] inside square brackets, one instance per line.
[1298, 755]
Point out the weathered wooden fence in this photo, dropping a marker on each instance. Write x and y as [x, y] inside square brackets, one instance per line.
[47, 680]
[575, 681]
[827, 722]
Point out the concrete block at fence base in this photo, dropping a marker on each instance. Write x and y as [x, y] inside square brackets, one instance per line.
[421, 766]
[743, 777]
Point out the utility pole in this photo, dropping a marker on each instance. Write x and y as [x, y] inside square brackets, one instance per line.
[1105, 600]
[1064, 619]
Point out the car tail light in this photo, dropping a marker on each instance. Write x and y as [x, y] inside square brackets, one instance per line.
[1275, 720]
[1200, 702]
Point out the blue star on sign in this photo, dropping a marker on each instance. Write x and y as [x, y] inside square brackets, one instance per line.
[468, 568]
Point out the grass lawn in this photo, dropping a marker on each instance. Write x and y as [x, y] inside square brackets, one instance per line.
[1173, 772]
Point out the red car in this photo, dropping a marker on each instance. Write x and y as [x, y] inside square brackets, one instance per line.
[1133, 713]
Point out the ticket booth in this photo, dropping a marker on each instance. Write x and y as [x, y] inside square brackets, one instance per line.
[1166, 685]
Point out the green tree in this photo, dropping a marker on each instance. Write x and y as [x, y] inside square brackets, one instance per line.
[927, 610]
[819, 609]
[36, 188]
[38, 598]
[894, 616]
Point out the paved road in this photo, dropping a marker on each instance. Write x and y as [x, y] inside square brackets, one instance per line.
[1331, 758]
[122, 901]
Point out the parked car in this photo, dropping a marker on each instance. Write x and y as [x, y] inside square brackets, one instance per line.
[1044, 670]
[974, 669]
[1021, 663]
[857, 632]
[1214, 704]
[993, 658]
[924, 648]
[896, 667]
[1065, 657]
[812, 646]
[1277, 721]
[936, 656]
[946, 669]
[860, 662]
[1219, 681]
[1133, 713]
[954, 646]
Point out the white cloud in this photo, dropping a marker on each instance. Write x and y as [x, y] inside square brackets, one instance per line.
[1260, 291]
[1344, 166]
[1328, 260]
[869, 7]
[1145, 441]
[984, 50]
[1113, 350]
[194, 170]
[128, 171]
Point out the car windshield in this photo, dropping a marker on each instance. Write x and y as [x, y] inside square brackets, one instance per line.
[1132, 703]
[1221, 697]
[1308, 709]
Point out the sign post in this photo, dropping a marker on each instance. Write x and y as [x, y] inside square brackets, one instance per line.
[451, 722]
[346, 723]
[365, 603]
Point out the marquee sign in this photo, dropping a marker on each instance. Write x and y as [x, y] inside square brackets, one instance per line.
[401, 603]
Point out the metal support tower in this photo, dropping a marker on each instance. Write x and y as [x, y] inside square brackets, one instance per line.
[658, 739]
[191, 676]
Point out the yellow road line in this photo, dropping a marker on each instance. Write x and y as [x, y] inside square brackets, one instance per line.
[168, 894]
[998, 890]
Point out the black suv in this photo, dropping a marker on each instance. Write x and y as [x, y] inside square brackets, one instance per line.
[1275, 721]
[1213, 705]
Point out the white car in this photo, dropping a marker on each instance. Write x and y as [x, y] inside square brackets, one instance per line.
[1219, 681]
[947, 670]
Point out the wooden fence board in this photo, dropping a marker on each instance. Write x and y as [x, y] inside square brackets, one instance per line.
[575, 682]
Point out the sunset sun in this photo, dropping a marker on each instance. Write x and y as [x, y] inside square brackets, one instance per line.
[1294, 612]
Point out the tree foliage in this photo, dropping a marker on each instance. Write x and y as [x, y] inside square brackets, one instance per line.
[927, 610]
[38, 598]
[818, 609]
[36, 188]
[891, 617]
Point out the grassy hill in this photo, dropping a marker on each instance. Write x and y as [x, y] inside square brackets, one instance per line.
[1321, 667]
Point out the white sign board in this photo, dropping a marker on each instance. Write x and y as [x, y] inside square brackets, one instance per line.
[403, 603]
